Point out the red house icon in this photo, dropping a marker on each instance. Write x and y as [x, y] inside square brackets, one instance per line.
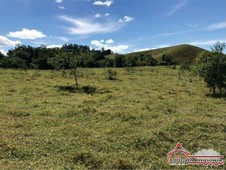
[177, 151]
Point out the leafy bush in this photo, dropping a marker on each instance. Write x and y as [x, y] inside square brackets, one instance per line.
[112, 75]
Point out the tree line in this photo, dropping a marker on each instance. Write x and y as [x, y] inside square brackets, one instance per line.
[28, 57]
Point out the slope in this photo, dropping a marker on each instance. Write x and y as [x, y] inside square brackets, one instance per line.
[180, 53]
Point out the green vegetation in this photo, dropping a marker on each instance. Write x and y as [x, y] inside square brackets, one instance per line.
[129, 123]
[27, 57]
[212, 67]
[111, 74]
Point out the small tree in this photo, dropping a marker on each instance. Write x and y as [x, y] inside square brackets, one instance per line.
[111, 74]
[67, 60]
[167, 60]
[212, 67]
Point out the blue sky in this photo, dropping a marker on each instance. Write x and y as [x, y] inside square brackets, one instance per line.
[121, 25]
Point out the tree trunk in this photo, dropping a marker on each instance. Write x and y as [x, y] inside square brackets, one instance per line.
[214, 90]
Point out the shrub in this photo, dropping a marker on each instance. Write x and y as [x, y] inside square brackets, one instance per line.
[112, 75]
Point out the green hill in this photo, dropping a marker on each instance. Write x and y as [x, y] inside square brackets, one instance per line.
[180, 53]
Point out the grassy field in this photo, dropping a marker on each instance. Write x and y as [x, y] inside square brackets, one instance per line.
[129, 123]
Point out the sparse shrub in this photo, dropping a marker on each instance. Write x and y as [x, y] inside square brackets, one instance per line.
[183, 67]
[112, 75]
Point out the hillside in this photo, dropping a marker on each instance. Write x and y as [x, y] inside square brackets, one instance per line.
[180, 53]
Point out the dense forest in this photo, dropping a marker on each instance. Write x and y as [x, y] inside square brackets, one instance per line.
[28, 57]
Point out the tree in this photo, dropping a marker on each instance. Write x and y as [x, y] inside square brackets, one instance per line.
[67, 60]
[218, 47]
[1, 55]
[167, 60]
[119, 60]
[150, 61]
[212, 67]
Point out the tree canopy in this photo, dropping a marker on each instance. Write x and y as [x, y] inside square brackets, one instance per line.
[28, 57]
[212, 67]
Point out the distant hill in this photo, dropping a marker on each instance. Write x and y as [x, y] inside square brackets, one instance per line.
[180, 53]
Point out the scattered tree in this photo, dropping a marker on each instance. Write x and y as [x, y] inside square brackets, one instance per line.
[111, 74]
[67, 60]
[212, 67]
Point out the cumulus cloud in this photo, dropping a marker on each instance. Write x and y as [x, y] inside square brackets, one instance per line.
[101, 3]
[58, 1]
[97, 15]
[27, 34]
[5, 42]
[207, 152]
[126, 19]
[177, 7]
[106, 45]
[217, 26]
[88, 26]
[54, 46]
[110, 41]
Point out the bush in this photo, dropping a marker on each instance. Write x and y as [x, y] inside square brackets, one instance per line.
[112, 75]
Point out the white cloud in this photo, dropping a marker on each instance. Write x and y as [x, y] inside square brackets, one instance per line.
[207, 42]
[97, 15]
[162, 46]
[110, 41]
[101, 15]
[27, 34]
[5, 42]
[3, 52]
[217, 26]
[207, 152]
[177, 7]
[106, 3]
[141, 49]
[54, 46]
[58, 1]
[103, 44]
[153, 48]
[87, 26]
[126, 19]
[61, 7]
